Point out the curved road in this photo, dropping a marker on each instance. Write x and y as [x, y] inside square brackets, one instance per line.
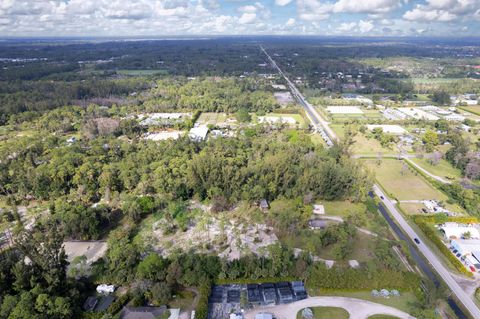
[357, 308]
[435, 177]
[462, 296]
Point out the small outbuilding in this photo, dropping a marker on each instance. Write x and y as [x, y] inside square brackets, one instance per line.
[142, 312]
[264, 205]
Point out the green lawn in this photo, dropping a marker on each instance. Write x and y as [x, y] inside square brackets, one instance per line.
[403, 182]
[342, 208]
[403, 302]
[442, 169]
[472, 109]
[327, 313]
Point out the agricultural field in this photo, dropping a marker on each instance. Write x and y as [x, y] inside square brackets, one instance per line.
[209, 118]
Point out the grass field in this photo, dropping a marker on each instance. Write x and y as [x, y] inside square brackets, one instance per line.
[297, 117]
[342, 208]
[403, 302]
[327, 313]
[212, 118]
[471, 108]
[362, 145]
[443, 169]
[402, 182]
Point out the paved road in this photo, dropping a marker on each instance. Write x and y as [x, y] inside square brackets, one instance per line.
[317, 120]
[320, 124]
[430, 256]
[357, 308]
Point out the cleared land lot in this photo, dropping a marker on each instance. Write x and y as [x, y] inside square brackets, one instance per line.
[287, 118]
[212, 118]
[363, 145]
[93, 250]
[344, 110]
[402, 182]
[392, 129]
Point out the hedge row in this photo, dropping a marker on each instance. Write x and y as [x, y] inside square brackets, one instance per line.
[432, 236]
[202, 307]
[453, 219]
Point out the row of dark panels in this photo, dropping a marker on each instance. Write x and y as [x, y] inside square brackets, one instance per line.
[267, 293]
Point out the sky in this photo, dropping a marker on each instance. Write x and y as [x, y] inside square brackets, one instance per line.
[239, 17]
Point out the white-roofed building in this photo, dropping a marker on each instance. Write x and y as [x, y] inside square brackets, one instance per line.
[455, 118]
[418, 114]
[456, 231]
[198, 133]
[469, 248]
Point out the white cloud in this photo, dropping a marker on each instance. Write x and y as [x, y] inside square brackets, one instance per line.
[282, 3]
[248, 9]
[365, 26]
[443, 10]
[367, 6]
[290, 22]
[247, 18]
[347, 27]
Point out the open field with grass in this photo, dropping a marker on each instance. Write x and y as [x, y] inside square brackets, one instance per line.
[297, 117]
[327, 313]
[402, 302]
[442, 169]
[208, 118]
[342, 208]
[362, 145]
[402, 182]
[472, 109]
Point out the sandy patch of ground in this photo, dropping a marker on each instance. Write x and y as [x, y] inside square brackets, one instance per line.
[283, 98]
[93, 250]
[229, 238]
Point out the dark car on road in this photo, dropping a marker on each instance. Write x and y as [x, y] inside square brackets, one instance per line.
[417, 241]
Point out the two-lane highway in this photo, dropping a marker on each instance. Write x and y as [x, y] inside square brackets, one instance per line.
[318, 122]
[436, 264]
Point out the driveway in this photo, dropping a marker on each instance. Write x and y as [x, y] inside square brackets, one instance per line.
[357, 308]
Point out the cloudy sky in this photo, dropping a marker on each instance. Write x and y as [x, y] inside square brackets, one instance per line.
[232, 17]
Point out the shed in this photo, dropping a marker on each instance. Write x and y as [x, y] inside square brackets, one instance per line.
[318, 224]
[90, 303]
[264, 204]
